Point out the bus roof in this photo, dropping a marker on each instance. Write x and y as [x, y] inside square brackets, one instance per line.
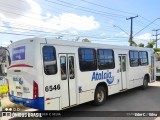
[77, 44]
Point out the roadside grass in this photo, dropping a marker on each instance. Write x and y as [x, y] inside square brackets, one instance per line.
[9, 104]
[2, 95]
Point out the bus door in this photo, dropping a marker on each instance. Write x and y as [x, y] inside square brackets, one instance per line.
[122, 71]
[68, 83]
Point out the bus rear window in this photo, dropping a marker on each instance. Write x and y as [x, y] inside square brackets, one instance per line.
[49, 60]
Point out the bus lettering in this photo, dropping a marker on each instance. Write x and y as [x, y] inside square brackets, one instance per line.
[51, 88]
[103, 75]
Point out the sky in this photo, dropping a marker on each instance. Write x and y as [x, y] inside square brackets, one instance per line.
[100, 22]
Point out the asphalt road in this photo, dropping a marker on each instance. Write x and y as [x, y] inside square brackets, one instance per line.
[131, 100]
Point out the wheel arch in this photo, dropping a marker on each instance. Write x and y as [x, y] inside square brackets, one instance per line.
[104, 84]
[148, 76]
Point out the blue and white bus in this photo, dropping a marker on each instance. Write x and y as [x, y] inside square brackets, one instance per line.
[50, 74]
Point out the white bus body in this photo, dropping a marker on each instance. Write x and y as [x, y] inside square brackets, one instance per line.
[49, 74]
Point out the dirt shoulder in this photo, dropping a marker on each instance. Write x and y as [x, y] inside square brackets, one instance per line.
[6, 102]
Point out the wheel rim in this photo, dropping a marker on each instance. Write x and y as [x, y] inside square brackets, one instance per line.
[100, 96]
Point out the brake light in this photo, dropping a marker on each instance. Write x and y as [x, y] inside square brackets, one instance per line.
[35, 90]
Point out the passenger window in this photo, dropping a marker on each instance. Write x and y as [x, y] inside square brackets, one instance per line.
[133, 57]
[143, 58]
[49, 60]
[105, 59]
[87, 59]
[63, 68]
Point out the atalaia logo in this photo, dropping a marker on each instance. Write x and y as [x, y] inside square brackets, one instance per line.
[103, 75]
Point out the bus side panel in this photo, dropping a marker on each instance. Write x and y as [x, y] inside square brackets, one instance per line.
[137, 73]
[88, 81]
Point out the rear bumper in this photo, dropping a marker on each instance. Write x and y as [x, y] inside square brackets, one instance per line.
[32, 103]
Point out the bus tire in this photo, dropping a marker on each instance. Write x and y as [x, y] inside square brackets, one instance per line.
[145, 82]
[99, 96]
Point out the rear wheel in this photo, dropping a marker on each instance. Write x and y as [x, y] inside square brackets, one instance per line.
[100, 96]
[145, 82]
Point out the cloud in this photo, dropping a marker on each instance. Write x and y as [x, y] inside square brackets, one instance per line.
[15, 9]
[111, 22]
[121, 34]
[67, 21]
[103, 34]
[146, 36]
[1, 27]
[27, 15]
[5, 43]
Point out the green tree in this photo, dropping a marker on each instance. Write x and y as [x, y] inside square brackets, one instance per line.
[156, 49]
[86, 40]
[140, 45]
[151, 44]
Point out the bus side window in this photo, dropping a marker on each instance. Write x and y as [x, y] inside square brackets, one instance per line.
[71, 67]
[143, 58]
[63, 68]
[105, 59]
[49, 60]
[134, 58]
[87, 59]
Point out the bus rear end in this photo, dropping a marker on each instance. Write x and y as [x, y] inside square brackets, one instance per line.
[22, 75]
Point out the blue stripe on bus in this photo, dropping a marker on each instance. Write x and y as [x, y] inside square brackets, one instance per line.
[32, 103]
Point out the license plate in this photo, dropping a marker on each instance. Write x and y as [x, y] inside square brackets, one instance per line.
[19, 94]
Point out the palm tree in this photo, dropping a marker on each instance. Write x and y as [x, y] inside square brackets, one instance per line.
[151, 44]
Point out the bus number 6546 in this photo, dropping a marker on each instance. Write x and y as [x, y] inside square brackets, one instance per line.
[51, 88]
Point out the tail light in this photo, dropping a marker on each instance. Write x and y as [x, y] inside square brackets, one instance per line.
[35, 90]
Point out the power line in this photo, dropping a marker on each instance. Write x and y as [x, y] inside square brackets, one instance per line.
[142, 24]
[70, 5]
[149, 21]
[108, 16]
[55, 34]
[106, 7]
[86, 8]
[121, 29]
[32, 17]
[146, 26]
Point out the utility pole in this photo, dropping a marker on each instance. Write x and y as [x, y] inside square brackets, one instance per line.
[156, 35]
[131, 32]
